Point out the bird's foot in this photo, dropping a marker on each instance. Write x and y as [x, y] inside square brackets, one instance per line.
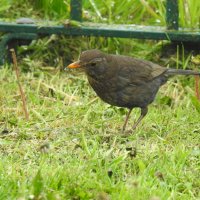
[127, 132]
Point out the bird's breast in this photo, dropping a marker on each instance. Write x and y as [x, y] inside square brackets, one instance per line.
[105, 89]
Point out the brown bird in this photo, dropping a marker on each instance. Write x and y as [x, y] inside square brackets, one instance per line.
[125, 81]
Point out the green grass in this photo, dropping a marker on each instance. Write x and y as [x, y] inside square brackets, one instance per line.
[72, 146]
[142, 12]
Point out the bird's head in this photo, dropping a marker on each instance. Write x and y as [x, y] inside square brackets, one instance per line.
[93, 62]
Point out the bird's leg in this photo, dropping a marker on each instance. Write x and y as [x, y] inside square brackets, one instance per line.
[142, 115]
[126, 120]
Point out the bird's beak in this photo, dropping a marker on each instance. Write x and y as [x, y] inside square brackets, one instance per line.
[74, 65]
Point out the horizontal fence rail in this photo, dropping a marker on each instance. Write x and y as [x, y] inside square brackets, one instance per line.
[90, 29]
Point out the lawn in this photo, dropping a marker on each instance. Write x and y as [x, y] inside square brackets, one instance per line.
[72, 146]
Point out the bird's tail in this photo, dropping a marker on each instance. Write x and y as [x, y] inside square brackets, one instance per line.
[182, 72]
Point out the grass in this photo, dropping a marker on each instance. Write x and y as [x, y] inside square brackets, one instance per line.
[111, 11]
[72, 147]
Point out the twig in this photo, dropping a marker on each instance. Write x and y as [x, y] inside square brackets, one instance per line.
[196, 61]
[197, 87]
[14, 58]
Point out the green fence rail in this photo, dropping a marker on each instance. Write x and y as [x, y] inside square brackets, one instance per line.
[32, 31]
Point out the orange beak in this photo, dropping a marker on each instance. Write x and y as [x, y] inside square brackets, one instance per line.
[74, 65]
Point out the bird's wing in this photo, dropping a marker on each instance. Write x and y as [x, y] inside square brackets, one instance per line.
[138, 70]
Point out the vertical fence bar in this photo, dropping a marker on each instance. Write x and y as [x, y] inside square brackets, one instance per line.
[172, 14]
[76, 10]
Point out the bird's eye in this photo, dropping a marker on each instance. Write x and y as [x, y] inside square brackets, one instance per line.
[93, 64]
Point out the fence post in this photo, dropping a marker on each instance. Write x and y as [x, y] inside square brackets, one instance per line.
[172, 14]
[76, 10]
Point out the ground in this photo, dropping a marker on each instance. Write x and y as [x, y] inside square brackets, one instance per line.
[72, 146]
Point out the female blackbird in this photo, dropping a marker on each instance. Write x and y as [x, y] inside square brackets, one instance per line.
[125, 81]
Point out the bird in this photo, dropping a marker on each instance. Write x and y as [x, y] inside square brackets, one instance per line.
[125, 81]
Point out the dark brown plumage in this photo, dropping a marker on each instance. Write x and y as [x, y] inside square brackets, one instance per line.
[125, 81]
